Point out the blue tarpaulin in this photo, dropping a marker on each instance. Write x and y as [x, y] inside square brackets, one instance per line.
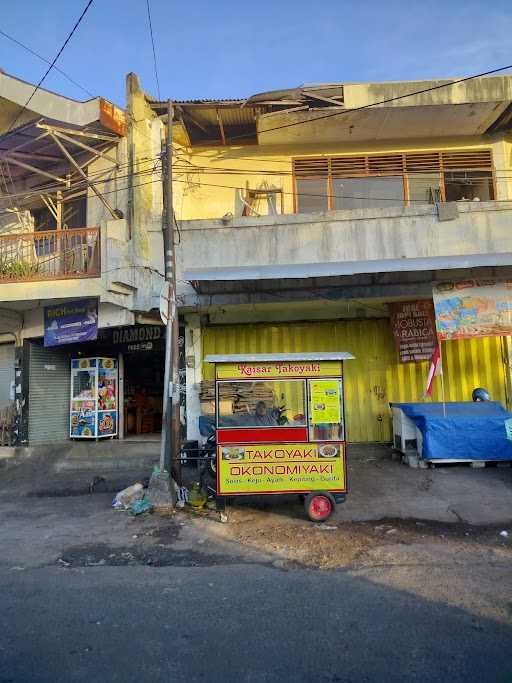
[470, 430]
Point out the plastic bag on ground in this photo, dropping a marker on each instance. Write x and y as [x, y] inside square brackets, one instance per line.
[139, 507]
[124, 499]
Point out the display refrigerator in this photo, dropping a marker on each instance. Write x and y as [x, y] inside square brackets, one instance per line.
[94, 409]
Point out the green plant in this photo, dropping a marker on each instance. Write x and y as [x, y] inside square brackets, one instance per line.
[17, 269]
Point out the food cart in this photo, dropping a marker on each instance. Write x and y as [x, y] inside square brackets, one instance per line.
[280, 427]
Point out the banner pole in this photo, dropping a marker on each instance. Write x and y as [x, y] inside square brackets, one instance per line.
[442, 376]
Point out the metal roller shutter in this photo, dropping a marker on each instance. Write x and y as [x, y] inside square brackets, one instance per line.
[6, 373]
[49, 388]
[375, 377]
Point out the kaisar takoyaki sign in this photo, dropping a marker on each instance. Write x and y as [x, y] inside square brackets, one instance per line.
[279, 369]
[284, 468]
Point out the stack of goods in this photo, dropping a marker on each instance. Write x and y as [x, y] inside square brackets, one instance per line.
[248, 395]
[207, 397]
[234, 397]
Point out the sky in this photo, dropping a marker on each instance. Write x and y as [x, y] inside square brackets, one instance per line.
[228, 49]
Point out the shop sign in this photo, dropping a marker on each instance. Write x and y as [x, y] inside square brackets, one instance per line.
[325, 401]
[133, 338]
[473, 308]
[71, 322]
[414, 330]
[283, 468]
[280, 369]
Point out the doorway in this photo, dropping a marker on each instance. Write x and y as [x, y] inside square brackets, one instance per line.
[143, 390]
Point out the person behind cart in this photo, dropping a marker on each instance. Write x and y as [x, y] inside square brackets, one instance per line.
[263, 417]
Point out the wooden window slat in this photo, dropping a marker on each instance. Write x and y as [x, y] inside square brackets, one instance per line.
[311, 167]
[391, 163]
[479, 159]
[345, 166]
[422, 162]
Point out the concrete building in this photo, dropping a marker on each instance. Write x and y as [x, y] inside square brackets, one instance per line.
[302, 215]
[80, 218]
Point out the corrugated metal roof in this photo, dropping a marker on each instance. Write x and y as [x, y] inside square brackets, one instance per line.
[226, 101]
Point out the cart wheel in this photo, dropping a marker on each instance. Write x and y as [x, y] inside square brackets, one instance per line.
[319, 506]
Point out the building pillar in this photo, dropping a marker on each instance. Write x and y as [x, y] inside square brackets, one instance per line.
[194, 373]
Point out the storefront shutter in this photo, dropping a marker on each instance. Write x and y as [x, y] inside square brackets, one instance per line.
[49, 387]
[375, 377]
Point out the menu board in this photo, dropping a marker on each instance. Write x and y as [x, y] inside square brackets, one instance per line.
[325, 401]
[414, 330]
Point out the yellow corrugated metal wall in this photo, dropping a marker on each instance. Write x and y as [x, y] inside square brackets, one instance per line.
[375, 377]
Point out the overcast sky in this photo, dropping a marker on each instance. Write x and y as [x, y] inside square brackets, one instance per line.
[223, 48]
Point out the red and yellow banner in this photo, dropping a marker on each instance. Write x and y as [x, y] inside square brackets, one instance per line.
[281, 468]
[280, 369]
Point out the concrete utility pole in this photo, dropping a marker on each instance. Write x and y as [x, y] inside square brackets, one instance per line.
[169, 440]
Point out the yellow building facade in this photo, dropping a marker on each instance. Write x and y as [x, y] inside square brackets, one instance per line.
[345, 162]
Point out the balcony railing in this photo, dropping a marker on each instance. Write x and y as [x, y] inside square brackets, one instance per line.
[50, 255]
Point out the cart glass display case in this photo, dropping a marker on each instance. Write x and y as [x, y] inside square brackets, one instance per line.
[93, 409]
[280, 427]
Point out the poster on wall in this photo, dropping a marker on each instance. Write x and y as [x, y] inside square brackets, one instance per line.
[71, 322]
[414, 330]
[473, 308]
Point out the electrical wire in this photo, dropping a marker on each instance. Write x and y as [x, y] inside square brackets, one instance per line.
[52, 64]
[71, 80]
[240, 188]
[153, 47]
[82, 184]
[47, 61]
[206, 170]
[193, 169]
[159, 180]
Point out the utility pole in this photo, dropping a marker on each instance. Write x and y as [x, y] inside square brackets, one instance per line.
[169, 440]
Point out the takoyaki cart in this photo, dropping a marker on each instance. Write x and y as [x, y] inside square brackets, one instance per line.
[280, 427]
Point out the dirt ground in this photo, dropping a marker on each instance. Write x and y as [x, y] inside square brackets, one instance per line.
[392, 513]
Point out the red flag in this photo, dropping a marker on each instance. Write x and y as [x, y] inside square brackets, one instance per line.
[435, 369]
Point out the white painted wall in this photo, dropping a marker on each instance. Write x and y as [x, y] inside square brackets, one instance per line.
[194, 375]
[344, 236]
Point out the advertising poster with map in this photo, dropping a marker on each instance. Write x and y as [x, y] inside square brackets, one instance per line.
[473, 308]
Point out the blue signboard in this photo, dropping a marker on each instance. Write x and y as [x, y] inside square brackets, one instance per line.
[71, 322]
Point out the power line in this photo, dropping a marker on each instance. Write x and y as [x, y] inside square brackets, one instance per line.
[47, 61]
[153, 47]
[322, 194]
[193, 169]
[375, 104]
[196, 170]
[83, 185]
[158, 180]
[52, 64]
[42, 189]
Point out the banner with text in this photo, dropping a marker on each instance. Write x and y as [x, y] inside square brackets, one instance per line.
[414, 329]
[71, 322]
[283, 468]
[274, 370]
[473, 308]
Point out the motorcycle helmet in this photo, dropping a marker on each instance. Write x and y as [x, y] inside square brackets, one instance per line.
[480, 394]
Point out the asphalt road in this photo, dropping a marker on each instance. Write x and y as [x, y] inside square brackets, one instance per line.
[240, 601]
[237, 622]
